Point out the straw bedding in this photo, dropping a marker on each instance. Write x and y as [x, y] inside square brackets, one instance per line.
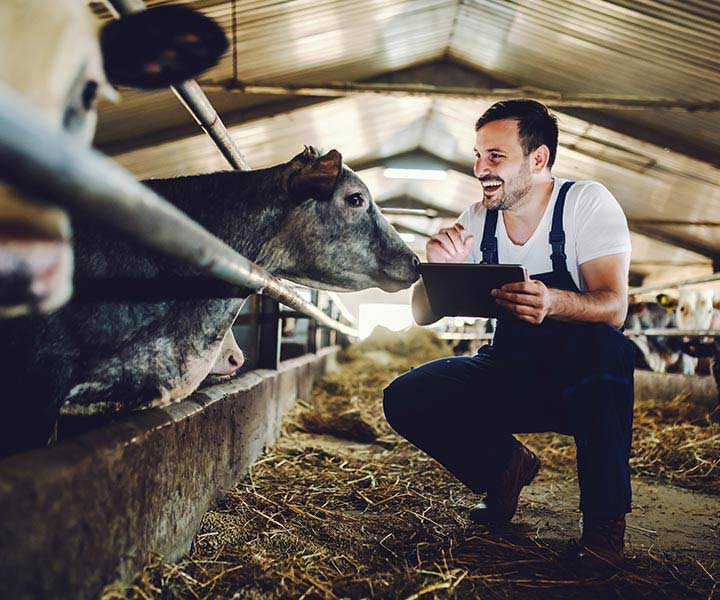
[341, 507]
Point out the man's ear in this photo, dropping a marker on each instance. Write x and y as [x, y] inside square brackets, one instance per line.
[540, 158]
[160, 46]
[318, 178]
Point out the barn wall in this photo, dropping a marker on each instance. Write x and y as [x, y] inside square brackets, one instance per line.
[80, 514]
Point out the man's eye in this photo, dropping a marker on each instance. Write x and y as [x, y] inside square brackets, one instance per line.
[355, 200]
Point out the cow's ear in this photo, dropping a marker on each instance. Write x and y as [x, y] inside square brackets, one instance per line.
[160, 46]
[318, 178]
[663, 300]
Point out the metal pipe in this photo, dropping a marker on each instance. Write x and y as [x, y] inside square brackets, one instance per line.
[54, 167]
[416, 212]
[194, 99]
[550, 97]
[675, 284]
[673, 332]
[449, 335]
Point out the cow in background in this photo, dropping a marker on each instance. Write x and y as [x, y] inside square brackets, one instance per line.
[693, 310]
[51, 57]
[658, 353]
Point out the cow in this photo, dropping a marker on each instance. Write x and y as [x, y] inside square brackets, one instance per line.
[693, 310]
[311, 220]
[51, 57]
[659, 353]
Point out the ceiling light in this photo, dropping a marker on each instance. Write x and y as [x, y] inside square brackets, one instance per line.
[424, 174]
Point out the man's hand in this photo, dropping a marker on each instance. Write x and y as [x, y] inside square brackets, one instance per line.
[528, 300]
[447, 245]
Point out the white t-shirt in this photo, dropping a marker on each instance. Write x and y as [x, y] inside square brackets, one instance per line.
[594, 224]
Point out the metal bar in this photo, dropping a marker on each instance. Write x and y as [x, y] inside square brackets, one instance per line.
[448, 335]
[270, 334]
[418, 212]
[549, 97]
[346, 314]
[628, 333]
[676, 223]
[194, 100]
[54, 167]
[673, 332]
[674, 284]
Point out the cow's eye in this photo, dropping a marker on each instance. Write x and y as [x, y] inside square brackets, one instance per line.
[89, 94]
[355, 200]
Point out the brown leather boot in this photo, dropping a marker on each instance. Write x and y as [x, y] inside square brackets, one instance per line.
[501, 501]
[602, 542]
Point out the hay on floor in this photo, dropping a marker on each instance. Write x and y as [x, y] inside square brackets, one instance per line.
[341, 507]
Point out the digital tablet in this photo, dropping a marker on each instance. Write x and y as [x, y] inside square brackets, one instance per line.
[463, 290]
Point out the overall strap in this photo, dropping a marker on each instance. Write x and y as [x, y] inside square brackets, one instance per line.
[489, 244]
[557, 233]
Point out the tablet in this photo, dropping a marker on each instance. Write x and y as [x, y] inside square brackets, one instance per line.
[463, 290]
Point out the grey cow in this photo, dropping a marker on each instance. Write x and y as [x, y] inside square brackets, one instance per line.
[311, 220]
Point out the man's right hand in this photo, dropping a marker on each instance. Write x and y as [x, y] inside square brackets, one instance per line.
[447, 245]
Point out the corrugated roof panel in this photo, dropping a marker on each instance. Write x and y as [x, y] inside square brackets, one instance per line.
[646, 48]
[358, 127]
[297, 40]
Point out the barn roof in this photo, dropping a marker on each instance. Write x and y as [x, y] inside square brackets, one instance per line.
[661, 164]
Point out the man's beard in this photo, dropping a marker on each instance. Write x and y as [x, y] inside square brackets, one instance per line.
[511, 192]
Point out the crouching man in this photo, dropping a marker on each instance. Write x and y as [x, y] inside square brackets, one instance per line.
[558, 361]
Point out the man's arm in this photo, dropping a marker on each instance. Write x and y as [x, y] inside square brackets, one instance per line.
[605, 300]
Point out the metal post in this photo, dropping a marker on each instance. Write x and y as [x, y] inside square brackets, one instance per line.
[270, 334]
[312, 332]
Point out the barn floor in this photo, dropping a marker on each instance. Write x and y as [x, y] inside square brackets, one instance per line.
[341, 507]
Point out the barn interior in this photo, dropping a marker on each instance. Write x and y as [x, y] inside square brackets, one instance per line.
[339, 506]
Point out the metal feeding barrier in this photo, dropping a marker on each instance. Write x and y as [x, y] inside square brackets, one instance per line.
[56, 168]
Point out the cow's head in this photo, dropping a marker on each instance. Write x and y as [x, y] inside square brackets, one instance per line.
[695, 309]
[335, 236]
[50, 56]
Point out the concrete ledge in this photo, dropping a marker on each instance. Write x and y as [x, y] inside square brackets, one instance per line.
[78, 515]
[665, 386]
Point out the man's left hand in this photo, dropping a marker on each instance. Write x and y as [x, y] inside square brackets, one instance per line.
[529, 300]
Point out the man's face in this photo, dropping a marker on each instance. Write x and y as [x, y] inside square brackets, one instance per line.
[501, 165]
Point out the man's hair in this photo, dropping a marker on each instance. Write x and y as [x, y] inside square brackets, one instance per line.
[536, 126]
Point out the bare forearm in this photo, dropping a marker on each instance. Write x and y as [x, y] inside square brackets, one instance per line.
[598, 306]
[422, 313]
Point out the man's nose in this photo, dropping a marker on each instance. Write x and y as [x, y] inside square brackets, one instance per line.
[481, 167]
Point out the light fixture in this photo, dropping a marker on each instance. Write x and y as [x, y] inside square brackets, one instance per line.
[422, 174]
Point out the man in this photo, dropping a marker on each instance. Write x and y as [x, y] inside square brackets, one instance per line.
[558, 361]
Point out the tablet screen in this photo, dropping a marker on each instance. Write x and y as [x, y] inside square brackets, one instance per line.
[463, 290]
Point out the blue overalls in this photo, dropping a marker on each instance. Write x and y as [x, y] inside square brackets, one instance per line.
[572, 378]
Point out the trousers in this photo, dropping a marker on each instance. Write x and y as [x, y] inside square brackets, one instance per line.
[463, 412]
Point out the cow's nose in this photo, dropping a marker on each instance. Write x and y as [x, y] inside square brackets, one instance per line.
[415, 262]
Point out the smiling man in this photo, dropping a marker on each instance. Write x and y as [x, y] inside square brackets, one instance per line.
[558, 361]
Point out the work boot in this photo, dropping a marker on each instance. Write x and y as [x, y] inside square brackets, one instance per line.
[601, 544]
[501, 501]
